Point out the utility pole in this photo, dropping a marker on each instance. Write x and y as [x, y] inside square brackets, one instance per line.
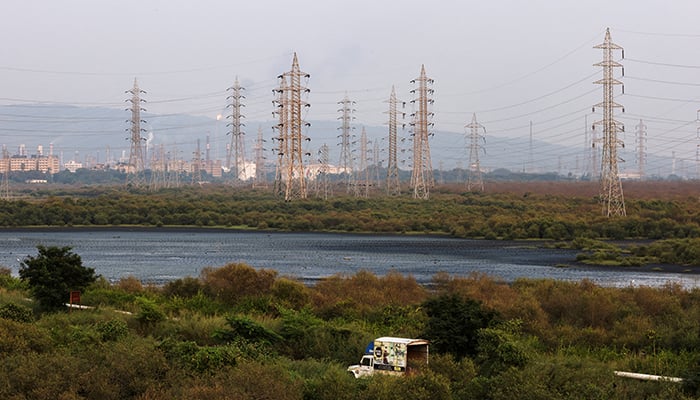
[292, 105]
[393, 185]
[346, 136]
[475, 179]
[641, 129]
[260, 176]
[135, 170]
[610, 183]
[237, 145]
[422, 175]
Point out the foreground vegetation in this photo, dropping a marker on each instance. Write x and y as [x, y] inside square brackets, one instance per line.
[239, 333]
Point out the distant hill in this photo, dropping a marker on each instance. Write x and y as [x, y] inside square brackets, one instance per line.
[91, 134]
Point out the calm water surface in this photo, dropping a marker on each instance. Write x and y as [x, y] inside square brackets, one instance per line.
[159, 256]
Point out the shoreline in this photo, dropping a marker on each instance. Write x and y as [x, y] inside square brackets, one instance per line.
[482, 243]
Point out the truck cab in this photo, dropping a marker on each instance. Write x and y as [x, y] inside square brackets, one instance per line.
[364, 368]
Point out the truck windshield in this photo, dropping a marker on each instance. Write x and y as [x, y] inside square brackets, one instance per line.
[365, 361]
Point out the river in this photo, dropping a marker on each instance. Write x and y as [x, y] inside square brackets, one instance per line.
[161, 255]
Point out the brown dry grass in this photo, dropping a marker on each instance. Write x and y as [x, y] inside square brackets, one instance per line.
[663, 190]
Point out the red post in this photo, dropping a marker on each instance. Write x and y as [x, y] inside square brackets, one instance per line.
[74, 298]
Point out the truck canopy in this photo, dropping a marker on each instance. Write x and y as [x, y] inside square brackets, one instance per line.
[399, 354]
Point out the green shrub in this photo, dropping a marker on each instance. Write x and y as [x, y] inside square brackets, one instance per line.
[201, 359]
[149, 312]
[16, 312]
[112, 330]
[186, 287]
[246, 328]
[10, 282]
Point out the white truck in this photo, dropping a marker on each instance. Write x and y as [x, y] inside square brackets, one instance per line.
[392, 355]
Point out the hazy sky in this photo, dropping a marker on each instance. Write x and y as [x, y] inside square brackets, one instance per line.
[510, 62]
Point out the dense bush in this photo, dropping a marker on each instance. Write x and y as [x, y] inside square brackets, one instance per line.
[16, 312]
[234, 282]
[492, 215]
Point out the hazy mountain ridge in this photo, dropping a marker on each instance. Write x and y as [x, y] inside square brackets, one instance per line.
[83, 133]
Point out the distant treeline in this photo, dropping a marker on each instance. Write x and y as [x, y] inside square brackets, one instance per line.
[474, 215]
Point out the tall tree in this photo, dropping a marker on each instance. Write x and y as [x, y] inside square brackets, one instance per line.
[453, 324]
[53, 274]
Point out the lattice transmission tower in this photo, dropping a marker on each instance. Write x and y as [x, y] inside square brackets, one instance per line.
[237, 145]
[260, 175]
[641, 142]
[422, 175]
[158, 168]
[375, 165]
[281, 140]
[323, 189]
[346, 141]
[393, 183]
[610, 183]
[135, 170]
[197, 165]
[475, 179]
[362, 179]
[291, 104]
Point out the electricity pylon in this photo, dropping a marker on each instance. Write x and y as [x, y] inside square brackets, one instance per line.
[260, 176]
[322, 186]
[422, 176]
[362, 180]
[393, 185]
[641, 139]
[346, 136]
[610, 184]
[135, 170]
[475, 180]
[281, 139]
[376, 164]
[158, 169]
[237, 145]
[197, 165]
[291, 91]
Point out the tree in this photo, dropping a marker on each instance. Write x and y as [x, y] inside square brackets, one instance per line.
[53, 274]
[454, 323]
